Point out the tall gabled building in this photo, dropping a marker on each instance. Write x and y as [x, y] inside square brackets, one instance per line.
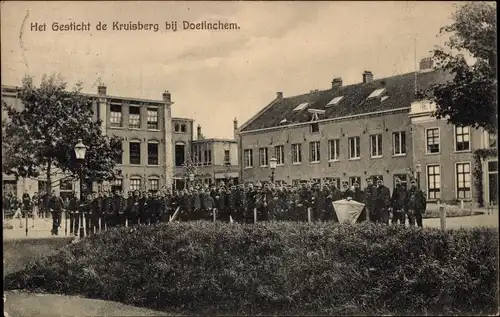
[376, 128]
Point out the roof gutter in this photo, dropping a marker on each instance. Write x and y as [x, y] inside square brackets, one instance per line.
[328, 120]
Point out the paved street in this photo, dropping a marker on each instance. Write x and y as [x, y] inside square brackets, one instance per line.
[39, 228]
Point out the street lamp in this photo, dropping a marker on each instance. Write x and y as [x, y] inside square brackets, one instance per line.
[272, 165]
[418, 169]
[80, 150]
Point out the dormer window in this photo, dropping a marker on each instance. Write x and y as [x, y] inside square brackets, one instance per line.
[300, 107]
[335, 101]
[376, 93]
[315, 113]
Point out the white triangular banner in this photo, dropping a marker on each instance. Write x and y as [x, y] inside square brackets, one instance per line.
[347, 211]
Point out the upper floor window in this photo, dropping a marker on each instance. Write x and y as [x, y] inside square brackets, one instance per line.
[314, 127]
[263, 160]
[176, 127]
[462, 139]
[183, 128]
[153, 118]
[333, 150]
[134, 117]
[279, 152]
[135, 153]
[314, 152]
[376, 145]
[432, 140]
[115, 119]
[152, 153]
[118, 158]
[492, 140]
[296, 153]
[354, 148]
[248, 157]
[227, 156]
[399, 143]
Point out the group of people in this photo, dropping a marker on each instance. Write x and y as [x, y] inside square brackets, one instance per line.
[239, 203]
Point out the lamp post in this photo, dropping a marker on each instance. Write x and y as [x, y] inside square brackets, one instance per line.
[80, 150]
[418, 169]
[272, 165]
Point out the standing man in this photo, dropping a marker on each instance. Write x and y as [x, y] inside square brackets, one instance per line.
[56, 207]
[370, 197]
[382, 202]
[397, 203]
[415, 204]
[118, 208]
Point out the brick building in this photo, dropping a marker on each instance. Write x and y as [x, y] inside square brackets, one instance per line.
[146, 129]
[374, 128]
[216, 159]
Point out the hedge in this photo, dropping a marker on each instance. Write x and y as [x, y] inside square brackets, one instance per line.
[278, 268]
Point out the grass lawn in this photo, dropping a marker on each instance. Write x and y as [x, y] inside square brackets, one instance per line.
[451, 213]
[19, 252]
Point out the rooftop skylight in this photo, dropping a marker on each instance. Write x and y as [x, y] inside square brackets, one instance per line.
[301, 107]
[335, 101]
[376, 93]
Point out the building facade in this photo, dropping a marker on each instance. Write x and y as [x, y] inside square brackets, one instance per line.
[216, 160]
[182, 138]
[377, 128]
[145, 127]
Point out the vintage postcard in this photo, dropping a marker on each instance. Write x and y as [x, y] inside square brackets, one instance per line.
[249, 158]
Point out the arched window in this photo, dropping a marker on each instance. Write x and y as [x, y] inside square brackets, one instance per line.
[135, 183]
[153, 183]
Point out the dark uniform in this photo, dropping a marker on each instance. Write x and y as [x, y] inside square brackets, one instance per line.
[207, 206]
[118, 207]
[397, 203]
[382, 202]
[56, 207]
[107, 211]
[133, 209]
[74, 220]
[415, 204]
[370, 197]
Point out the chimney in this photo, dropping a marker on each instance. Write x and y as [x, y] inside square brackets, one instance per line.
[337, 82]
[235, 128]
[367, 76]
[166, 96]
[279, 95]
[426, 63]
[101, 90]
[198, 132]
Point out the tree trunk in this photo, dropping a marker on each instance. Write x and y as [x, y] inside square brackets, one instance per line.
[49, 178]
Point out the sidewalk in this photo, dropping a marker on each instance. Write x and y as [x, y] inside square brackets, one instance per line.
[20, 304]
[39, 228]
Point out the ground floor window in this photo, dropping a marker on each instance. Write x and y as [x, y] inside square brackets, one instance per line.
[10, 187]
[433, 182]
[463, 178]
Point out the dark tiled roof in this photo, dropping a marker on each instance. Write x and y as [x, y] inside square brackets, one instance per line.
[400, 91]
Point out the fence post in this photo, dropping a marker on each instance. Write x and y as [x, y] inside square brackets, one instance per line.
[442, 213]
[462, 204]
[214, 213]
[309, 214]
[255, 215]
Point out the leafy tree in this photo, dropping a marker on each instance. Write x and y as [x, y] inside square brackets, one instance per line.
[470, 98]
[42, 136]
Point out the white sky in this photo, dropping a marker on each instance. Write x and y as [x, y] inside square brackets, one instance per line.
[215, 76]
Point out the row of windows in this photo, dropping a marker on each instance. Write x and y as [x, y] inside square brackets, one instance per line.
[352, 180]
[180, 127]
[462, 181]
[135, 154]
[462, 140]
[354, 150]
[135, 183]
[134, 118]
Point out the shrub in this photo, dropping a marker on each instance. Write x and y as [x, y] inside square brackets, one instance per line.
[278, 268]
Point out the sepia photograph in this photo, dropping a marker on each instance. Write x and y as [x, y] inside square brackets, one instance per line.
[249, 158]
